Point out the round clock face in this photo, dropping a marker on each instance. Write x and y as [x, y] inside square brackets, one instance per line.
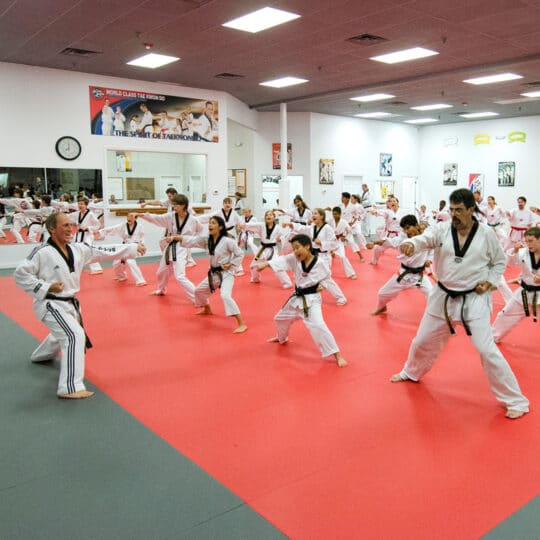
[68, 148]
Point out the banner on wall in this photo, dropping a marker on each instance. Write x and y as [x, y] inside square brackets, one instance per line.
[276, 156]
[129, 113]
[476, 182]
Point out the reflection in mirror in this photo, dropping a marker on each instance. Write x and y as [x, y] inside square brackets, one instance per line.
[23, 198]
[134, 177]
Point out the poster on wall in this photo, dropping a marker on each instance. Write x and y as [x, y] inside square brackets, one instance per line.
[129, 113]
[276, 156]
[450, 174]
[507, 173]
[326, 171]
[385, 164]
[383, 189]
[123, 161]
[476, 182]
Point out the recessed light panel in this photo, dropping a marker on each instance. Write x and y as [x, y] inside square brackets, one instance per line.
[153, 60]
[374, 115]
[372, 97]
[489, 79]
[531, 94]
[421, 121]
[284, 81]
[485, 114]
[433, 107]
[261, 19]
[404, 56]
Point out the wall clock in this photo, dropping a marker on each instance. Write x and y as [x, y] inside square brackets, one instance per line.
[68, 148]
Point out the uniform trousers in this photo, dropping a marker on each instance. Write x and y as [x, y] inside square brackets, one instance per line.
[329, 284]
[510, 315]
[203, 292]
[282, 276]
[67, 336]
[342, 256]
[432, 336]
[314, 322]
[119, 268]
[19, 221]
[392, 288]
[178, 269]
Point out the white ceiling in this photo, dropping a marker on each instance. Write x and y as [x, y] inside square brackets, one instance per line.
[473, 37]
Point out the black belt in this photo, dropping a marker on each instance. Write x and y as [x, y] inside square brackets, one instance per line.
[171, 247]
[263, 247]
[299, 221]
[494, 224]
[316, 251]
[229, 228]
[214, 270]
[455, 294]
[77, 305]
[82, 233]
[525, 287]
[411, 270]
[302, 292]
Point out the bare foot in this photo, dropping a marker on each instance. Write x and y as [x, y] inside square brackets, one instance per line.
[353, 276]
[379, 311]
[141, 284]
[273, 340]
[157, 293]
[341, 362]
[240, 329]
[81, 394]
[205, 311]
[398, 378]
[513, 414]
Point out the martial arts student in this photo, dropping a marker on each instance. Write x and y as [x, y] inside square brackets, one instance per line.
[349, 213]
[525, 299]
[87, 224]
[324, 242]
[245, 235]
[342, 232]
[469, 262]
[310, 274]
[360, 215]
[300, 214]
[441, 214]
[392, 216]
[366, 202]
[129, 232]
[175, 256]
[37, 216]
[224, 257]
[19, 205]
[51, 274]
[422, 215]
[411, 273]
[270, 234]
[495, 218]
[520, 220]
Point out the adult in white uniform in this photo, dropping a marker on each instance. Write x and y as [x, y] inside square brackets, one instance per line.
[360, 215]
[175, 255]
[525, 299]
[119, 122]
[469, 262]
[310, 271]
[51, 274]
[411, 273]
[129, 232]
[495, 219]
[520, 220]
[271, 235]
[87, 224]
[224, 257]
[366, 201]
[107, 118]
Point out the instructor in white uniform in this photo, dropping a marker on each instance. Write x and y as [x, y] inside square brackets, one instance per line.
[51, 274]
[469, 263]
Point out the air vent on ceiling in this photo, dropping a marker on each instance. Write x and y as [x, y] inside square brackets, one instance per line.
[366, 39]
[228, 76]
[396, 103]
[534, 83]
[72, 51]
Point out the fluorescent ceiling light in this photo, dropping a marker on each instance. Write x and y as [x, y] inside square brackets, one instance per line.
[375, 115]
[433, 107]
[261, 20]
[372, 97]
[516, 100]
[153, 60]
[479, 114]
[531, 94]
[421, 121]
[501, 77]
[284, 81]
[404, 56]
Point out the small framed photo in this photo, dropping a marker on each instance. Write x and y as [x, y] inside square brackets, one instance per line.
[507, 173]
[385, 164]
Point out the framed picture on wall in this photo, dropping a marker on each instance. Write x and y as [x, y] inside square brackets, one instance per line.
[237, 182]
[140, 189]
[450, 174]
[384, 188]
[476, 182]
[326, 171]
[385, 164]
[507, 173]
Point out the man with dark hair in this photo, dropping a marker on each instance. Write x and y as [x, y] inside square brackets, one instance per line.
[525, 299]
[520, 220]
[469, 262]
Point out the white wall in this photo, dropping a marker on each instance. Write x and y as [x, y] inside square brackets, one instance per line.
[437, 148]
[241, 155]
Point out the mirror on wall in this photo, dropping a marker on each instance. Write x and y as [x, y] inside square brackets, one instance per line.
[134, 176]
[22, 187]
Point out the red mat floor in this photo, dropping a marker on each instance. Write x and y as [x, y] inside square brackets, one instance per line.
[321, 452]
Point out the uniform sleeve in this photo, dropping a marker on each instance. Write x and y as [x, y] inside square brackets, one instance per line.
[283, 262]
[107, 253]
[161, 220]
[195, 241]
[428, 239]
[26, 277]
